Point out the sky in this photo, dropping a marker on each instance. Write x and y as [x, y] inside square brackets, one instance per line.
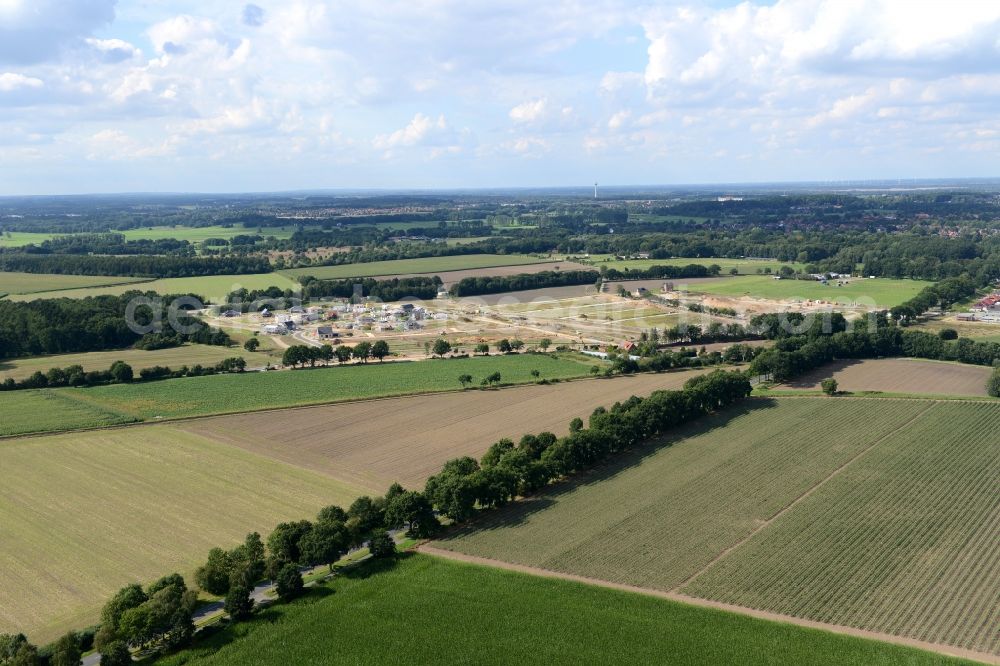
[222, 96]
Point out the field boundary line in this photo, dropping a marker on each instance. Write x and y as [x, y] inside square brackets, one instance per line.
[836, 472]
[678, 597]
[268, 410]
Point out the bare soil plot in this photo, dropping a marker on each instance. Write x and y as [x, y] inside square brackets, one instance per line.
[377, 442]
[898, 375]
[83, 514]
[903, 541]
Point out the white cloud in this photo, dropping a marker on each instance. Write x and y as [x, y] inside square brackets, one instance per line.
[530, 111]
[33, 31]
[12, 81]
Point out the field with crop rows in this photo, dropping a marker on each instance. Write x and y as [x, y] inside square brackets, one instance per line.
[429, 610]
[459, 262]
[31, 283]
[82, 514]
[214, 288]
[881, 292]
[174, 357]
[658, 516]
[408, 439]
[904, 541]
[220, 394]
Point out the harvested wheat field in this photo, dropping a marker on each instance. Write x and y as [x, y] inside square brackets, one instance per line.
[82, 514]
[377, 442]
[898, 375]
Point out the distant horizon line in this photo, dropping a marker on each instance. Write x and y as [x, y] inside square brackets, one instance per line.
[876, 184]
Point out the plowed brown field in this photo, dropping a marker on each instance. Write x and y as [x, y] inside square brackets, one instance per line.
[899, 375]
[377, 442]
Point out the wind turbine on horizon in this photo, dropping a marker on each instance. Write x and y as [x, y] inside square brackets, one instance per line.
[595, 189]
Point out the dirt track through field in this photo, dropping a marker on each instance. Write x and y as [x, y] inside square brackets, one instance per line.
[682, 598]
[375, 443]
[898, 375]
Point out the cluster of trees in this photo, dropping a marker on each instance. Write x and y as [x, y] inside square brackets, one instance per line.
[393, 289]
[942, 294]
[795, 355]
[96, 323]
[73, 375]
[297, 355]
[660, 272]
[119, 373]
[993, 383]
[474, 286]
[232, 364]
[151, 266]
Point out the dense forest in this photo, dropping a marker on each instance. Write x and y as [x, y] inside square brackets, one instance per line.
[65, 325]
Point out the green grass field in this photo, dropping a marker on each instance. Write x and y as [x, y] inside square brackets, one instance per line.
[425, 265]
[22, 238]
[83, 514]
[881, 292]
[429, 610]
[215, 288]
[175, 357]
[903, 542]
[198, 234]
[51, 410]
[29, 283]
[897, 531]
[218, 394]
[743, 266]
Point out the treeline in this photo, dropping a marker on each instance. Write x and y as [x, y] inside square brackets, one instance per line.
[119, 373]
[474, 286]
[796, 355]
[392, 289]
[109, 244]
[95, 323]
[132, 266]
[302, 354]
[943, 294]
[659, 272]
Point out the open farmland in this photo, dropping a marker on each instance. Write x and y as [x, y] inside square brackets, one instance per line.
[214, 288]
[22, 238]
[30, 283]
[83, 514]
[220, 394]
[904, 541]
[51, 410]
[173, 357]
[883, 515]
[742, 266]
[429, 610]
[449, 278]
[881, 292]
[657, 516]
[459, 262]
[898, 375]
[199, 234]
[378, 442]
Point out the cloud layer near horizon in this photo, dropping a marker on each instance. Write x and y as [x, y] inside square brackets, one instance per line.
[209, 95]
